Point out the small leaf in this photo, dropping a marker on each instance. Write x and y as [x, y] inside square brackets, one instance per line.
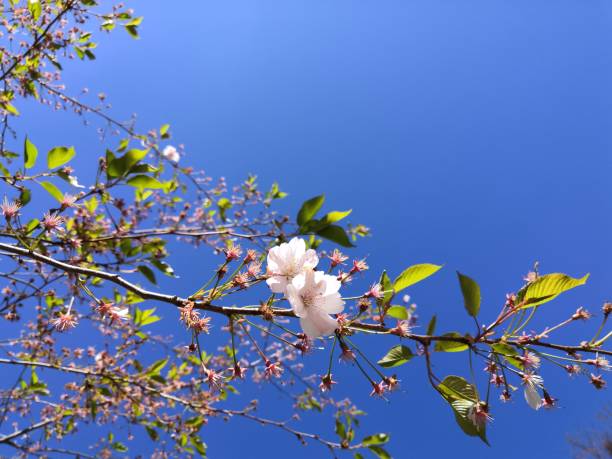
[471, 294]
[376, 439]
[380, 452]
[431, 328]
[414, 274]
[451, 346]
[508, 353]
[59, 156]
[30, 153]
[397, 355]
[548, 287]
[52, 190]
[148, 273]
[309, 209]
[118, 167]
[335, 234]
[335, 216]
[144, 181]
[398, 312]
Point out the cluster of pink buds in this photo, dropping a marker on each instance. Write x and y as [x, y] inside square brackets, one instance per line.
[192, 320]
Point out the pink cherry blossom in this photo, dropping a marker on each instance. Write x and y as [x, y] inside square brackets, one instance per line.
[287, 261]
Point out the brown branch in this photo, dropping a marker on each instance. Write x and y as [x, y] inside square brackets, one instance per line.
[38, 40]
[256, 310]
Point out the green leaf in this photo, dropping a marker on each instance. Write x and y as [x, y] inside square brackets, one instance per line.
[376, 439]
[32, 225]
[52, 190]
[35, 9]
[144, 181]
[548, 287]
[118, 167]
[309, 209]
[157, 366]
[457, 388]
[224, 205]
[471, 294]
[397, 355]
[508, 353]
[414, 274]
[118, 446]
[335, 234]
[380, 452]
[163, 131]
[387, 286]
[59, 156]
[25, 196]
[148, 273]
[398, 312]
[335, 216]
[451, 346]
[431, 328]
[198, 444]
[30, 153]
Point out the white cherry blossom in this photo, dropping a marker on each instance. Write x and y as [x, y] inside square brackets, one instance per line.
[171, 154]
[287, 261]
[313, 295]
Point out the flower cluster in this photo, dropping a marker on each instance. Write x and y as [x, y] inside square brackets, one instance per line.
[313, 295]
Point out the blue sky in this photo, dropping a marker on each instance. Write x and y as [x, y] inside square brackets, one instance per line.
[474, 134]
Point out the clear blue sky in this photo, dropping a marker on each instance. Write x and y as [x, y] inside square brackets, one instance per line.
[473, 133]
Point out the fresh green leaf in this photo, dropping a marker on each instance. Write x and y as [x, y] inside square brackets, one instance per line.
[451, 346]
[379, 452]
[414, 274]
[52, 190]
[309, 209]
[148, 273]
[335, 216]
[59, 156]
[397, 355]
[431, 328]
[471, 294]
[145, 182]
[376, 439]
[548, 287]
[398, 312]
[335, 234]
[118, 167]
[30, 153]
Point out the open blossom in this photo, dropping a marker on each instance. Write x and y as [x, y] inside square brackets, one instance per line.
[10, 209]
[119, 314]
[52, 221]
[376, 291]
[326, 383]
[68, 200]
[287, 261]
[65, 321]
[532, 385]
[313, 295]
[171, 154]
[530, 360]
[479, 415]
